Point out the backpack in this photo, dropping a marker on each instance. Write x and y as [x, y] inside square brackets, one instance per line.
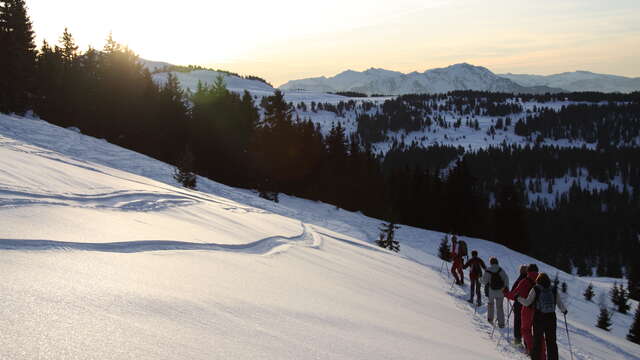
[462, 248]
[476, 269]
[496, 282]
[545, 299]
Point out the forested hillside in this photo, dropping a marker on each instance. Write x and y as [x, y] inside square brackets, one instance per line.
[527, 171]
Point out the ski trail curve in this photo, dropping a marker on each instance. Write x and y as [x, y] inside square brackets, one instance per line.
[266, 246]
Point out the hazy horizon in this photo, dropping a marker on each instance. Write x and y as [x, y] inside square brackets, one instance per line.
[293, 41]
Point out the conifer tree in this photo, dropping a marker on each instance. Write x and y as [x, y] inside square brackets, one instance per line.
[588, 293]
[183, 172]
[615, 294]
[623, 298]
[387, 237]
[604, 319]
[17, 57]
[68, 48]
[634, 331]
[443, 251]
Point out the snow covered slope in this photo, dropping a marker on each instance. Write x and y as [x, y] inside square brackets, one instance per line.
[189, 81]
[379, 81]
[578, 81]
[104, 258]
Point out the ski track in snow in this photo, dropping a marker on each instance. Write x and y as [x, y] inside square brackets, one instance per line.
[266, 246]
[503, 336]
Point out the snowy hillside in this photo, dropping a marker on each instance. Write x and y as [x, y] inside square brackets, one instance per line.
[379, 81]
[578, 81]
[104, 258]
[189, 81]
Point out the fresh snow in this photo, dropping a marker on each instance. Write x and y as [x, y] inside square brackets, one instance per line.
[104, 257]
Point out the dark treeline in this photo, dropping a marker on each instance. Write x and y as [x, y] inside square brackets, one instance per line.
[488, 193]
[491, 194]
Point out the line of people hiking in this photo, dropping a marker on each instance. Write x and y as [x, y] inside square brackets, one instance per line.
[534, 299]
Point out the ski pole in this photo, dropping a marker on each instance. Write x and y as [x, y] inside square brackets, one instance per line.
[508, 317]
[568, 339]
[494, 328]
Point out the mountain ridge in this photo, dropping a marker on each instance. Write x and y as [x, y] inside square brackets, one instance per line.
[462, 76]
[579, 80]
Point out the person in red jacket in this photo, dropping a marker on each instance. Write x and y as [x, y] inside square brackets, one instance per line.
[477, 265]
[456, 267]
[526, 314]
[517, 308]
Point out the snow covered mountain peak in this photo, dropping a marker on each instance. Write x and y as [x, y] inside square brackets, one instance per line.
[461, 76]
[580, 80]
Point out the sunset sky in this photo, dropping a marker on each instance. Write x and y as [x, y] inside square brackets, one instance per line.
[287, 39]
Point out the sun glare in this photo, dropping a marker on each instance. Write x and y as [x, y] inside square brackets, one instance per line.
[275, 39]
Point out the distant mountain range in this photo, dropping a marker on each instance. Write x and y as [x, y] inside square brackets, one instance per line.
[385, 82]
[461, 77]
[579, 81]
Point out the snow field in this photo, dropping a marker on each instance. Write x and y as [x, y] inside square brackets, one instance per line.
[254, 283]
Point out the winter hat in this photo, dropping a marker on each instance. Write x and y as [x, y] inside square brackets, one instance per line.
[543, 280]
[523, 269]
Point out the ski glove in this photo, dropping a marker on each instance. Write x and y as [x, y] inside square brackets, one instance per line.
[565, 312]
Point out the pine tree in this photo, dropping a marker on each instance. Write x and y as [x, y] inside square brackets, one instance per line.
[588, 293]
[69, 49]
[17, 57]
[604, 319]
[615, 294]
[634, 331]
[386, 238]
[183, 172]
[443, 251]
[623, 298]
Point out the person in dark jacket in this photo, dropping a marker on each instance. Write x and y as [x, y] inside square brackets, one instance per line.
[477, 265]
[517, 308]
[544, 299]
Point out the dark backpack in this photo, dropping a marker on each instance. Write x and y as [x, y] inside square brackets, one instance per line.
[496, 282]
[476, 269]
[462, 248]
[545, 299]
